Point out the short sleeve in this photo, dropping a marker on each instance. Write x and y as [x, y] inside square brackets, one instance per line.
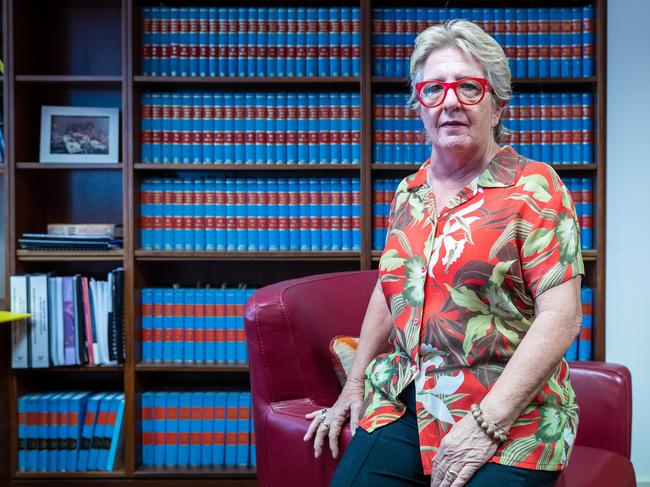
[550, 253]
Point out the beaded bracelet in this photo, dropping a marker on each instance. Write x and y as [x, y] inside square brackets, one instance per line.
[494, 431]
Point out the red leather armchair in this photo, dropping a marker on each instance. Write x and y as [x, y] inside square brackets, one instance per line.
[289, 326]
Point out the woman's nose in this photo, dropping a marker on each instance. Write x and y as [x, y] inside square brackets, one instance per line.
[451, 100]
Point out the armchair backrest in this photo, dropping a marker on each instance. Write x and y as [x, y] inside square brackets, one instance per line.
[289, 326]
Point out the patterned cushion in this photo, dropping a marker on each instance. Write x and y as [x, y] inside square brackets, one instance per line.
[343, 349]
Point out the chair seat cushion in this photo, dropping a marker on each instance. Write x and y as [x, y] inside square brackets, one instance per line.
[595, 467]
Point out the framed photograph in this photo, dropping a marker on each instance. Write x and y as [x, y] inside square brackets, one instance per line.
[79, 134]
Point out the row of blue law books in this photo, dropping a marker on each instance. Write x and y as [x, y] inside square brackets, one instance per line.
[206, 428]
[251, 214]
[582, 348]
[581, 190]
[70, 431]
[555, 128]
[250, 41]
[194, 325]
[251, 128]
[539, 42]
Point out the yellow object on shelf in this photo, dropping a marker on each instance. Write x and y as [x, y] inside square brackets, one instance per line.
[8, 316]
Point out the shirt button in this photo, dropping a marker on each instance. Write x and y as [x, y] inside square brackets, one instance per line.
[416, 321]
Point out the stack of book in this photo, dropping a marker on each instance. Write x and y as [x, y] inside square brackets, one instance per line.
[45, 241]
[197, 429]
[194, 325]
[539, 42]
[70, 431]
[75, 320]
[259, 128]
[581, 349]
[251, 214]
[264, 42]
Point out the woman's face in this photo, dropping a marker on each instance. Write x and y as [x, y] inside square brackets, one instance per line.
[452, 126]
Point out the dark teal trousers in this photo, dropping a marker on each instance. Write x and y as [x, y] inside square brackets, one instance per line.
[390, 457]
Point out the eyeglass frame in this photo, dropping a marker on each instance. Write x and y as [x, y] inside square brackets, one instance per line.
[485, 84]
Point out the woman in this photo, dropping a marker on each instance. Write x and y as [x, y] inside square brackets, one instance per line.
[476, 303]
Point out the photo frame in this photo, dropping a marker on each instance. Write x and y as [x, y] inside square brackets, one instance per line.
[79, 134]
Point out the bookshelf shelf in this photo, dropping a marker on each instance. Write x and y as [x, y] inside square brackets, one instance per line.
[246, 167]
[49, 166]
[68, 80]
[101, 369]
[154, 255]
[69, 475]
[231, 473]
[69, 256]
[175, 367]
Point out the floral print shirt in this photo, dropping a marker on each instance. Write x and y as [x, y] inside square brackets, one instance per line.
[461, 289]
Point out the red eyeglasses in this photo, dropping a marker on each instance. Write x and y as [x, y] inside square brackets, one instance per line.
[469, 91]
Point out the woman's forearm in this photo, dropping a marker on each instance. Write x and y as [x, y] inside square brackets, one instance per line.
[375, 331]
[554, 329]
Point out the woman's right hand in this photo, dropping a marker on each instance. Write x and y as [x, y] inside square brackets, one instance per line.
[329, 422]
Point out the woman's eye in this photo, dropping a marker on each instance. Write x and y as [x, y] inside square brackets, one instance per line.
[432, 90]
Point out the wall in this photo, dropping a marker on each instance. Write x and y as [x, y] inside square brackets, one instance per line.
[628, 210]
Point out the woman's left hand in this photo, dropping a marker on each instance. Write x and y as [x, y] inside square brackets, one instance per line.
[463, 450]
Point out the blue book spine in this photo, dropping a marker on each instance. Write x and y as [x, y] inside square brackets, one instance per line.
[543, 15]
[567, 113]
[219, 438]
[521, 47]
[263, 42]
[345, 49]
[241, 236]
[220, 214]
[341, 128]
[88, 431]
[585, 338]
[156, 127]
[260, 128]
[284, 232]
[199, 192]
[262, 215]
[210, 214]
[556, 124]
[281, 42]
[207, 129]
[532, 36]
[572, 352]
[251, 207]
[53, 410]
[207, 428]
[158, 325]
[212, 46]
[186, 128]
[272, 42]
[165, 41]
[323, 42]
[231, 215]
[197, 128]
[42, 432]
[337, 235]
[233, 27]
[315, 231]
[588, 40]
[231, 428]
[243, 429]
[271, 194]
[586, 230]
[546, 128]
[117, 432]
[292, 128]
[98, 432]
[68, 428]
[167, 214]
[222, 42]
[576, 42]
[355, 103]
[199, 325]
[219, 128]
[177, 129]
[155, 41]
[210, 325]
[312, 128]
[147, 429]
[377, 128]
[146, 128]
[271, 129]
[303, 129]
[555, 41]
[78, 405]
[187, 213]
[346, 214]
[196, 423]
[241, 352]
[231, 326]
[312, 42]
[334, 42]
[168, 325]
[253, 451]
[250, 129]
[294, 213]
[178, 310]
[325, 190]
[174, 40]
[292, 41]
[356, 213]
[240, 127]
[301, 42]
[587, 128]
[184, 428]
[31, 431]
[243, 41]
[22, 432]
[159, 428]
[535, 127]
[188, 325]
[576, 129]
[146, 40]
[172, 408]
[184, 42]
[356, 41]
[525, 124]
[220, 325]
[304, 213]
[193, 62]
[510, 40]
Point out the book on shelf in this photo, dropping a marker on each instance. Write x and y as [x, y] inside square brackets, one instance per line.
[197, 429]
[44, 241]
[75, 320]
[113, 230]
[70, 431]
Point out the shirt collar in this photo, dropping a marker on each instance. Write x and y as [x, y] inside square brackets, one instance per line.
[501, 172]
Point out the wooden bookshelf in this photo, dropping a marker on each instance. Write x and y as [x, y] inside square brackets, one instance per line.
[42, 68]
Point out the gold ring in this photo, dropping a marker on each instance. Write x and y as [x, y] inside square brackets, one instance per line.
[453, 472]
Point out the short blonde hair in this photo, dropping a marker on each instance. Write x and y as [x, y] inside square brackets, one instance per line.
[474, 41]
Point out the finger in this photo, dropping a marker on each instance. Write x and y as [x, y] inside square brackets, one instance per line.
[334, 434]
[313, 414]
[312, 428]
[447, 479]
[464, 476]
[438, 474]
[355, 415]
[318, 441]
